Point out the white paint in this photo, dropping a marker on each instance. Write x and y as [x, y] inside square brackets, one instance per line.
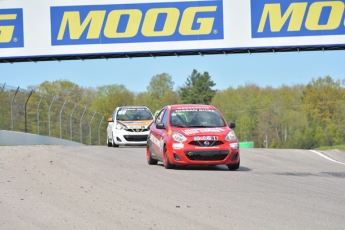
[177, 145]
[328, 158]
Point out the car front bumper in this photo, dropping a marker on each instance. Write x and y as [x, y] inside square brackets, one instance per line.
[128, 138]
[181, 154]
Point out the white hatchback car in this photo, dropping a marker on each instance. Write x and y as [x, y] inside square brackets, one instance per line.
[129, 125]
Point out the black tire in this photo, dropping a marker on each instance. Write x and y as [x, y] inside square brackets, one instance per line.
[109, 144]
[166, 161]
[149, 158]
[234, 167]
[114, 145]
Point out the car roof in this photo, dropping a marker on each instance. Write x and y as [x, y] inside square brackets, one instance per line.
[191, 106]
[125, 107]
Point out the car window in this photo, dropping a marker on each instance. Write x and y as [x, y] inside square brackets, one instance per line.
[160, 116]
[165, 118]
[156, 113]
[178, 119]
[127, 114]
[196, 118]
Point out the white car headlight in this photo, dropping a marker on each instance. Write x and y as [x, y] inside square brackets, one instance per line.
[231, 136]
[178, 137]
[120, 126]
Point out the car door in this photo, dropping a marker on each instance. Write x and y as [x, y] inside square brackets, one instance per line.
[161, 133]
[155, 135]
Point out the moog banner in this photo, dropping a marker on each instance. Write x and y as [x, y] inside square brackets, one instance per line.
[39, 28]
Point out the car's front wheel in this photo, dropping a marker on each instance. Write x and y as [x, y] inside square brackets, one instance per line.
[234, 167]
[166, 160]
[109, 143]
[149, 158]
[115, 145]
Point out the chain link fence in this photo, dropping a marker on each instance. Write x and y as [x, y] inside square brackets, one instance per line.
[26, 111]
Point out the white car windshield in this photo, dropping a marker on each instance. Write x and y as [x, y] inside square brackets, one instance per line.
[196, 118]
[132, 114]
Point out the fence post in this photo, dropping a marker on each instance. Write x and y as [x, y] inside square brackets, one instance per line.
[49, 114]
[99, 134]
[2, 89]
[60, 118]
[81, 127]
[70, 121]
[26, 103]
[266, 143]
[15, 94]
[38, 115]
[90, 127]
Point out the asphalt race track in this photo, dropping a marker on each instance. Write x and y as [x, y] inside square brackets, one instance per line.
[57, 187]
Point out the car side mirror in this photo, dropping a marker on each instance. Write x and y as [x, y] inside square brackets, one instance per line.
[160, 126]
[110, 119]
[232, 125]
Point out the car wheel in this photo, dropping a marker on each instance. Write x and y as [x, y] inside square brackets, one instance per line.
[115, 145]
[109, 143]
[234, 167]
[166, 160]
[149, 158]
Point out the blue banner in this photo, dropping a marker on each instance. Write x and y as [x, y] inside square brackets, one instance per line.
[137, 23]
[286, 18]
[11, 28]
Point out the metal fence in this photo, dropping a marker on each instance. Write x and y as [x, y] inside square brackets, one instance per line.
[26, 111]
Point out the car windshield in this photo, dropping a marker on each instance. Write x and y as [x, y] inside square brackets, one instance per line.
[131, 114]
[196, 118]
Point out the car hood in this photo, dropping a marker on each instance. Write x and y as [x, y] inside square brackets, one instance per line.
[134, 124]
[217, 131]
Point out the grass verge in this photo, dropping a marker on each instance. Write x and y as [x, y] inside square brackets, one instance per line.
[340, 147]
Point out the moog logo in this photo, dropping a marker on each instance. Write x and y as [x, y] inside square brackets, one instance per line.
[147, 22]
[11, 28]
[284, 18]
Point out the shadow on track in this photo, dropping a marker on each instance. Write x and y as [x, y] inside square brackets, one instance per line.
[207, 168]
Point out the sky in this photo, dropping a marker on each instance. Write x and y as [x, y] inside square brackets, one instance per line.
[232, 70]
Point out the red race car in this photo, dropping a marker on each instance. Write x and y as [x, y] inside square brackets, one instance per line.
[192, 135]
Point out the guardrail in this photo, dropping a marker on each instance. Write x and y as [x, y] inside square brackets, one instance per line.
[30, 112]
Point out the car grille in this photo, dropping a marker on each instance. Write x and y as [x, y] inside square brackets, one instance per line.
[202, 143]
[213, 155]
[135, 130]
[135, 137]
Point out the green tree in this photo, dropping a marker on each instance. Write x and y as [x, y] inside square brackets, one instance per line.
[108, 97]
[160, 84]
[322, 98]
[143, 98]
[63, 95]
[323, 101]
[258, 112]
[159, 93]
[65, 90]
[198, 89]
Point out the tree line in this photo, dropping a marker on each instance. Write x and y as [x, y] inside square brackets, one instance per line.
[298, 116]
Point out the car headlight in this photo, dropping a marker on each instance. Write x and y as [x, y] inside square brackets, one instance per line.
[231, 136]
[120, 126]
[178, 137]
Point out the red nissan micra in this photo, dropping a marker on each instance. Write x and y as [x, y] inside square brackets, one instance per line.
[192, 135]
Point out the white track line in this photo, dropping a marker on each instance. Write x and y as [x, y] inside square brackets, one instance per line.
[320, 154]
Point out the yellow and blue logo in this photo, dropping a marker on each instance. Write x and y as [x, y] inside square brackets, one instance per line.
[129, 23]
[11, 28]
[286, 18]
